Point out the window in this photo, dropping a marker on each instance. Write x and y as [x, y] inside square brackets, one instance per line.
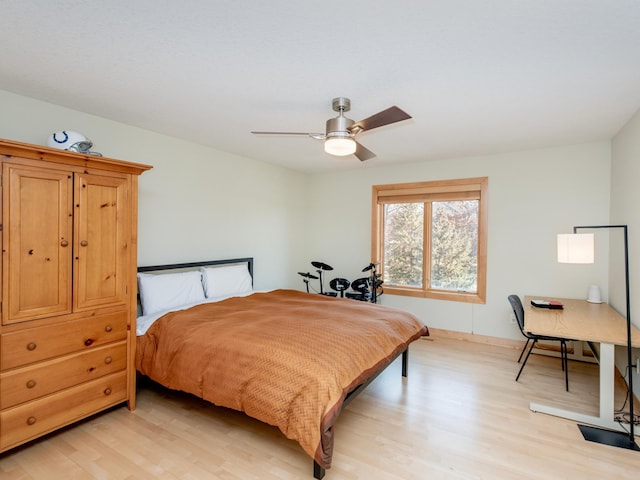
[430, 238]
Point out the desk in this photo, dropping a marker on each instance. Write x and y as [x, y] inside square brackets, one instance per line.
[593, 323]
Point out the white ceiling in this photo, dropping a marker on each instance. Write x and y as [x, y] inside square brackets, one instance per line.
[477, 76]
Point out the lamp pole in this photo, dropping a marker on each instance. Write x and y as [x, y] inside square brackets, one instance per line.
[632, 444]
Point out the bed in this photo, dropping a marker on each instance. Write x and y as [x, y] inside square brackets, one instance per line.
[287, 358]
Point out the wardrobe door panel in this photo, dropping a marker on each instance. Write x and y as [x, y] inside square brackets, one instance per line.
[101, 243]
[37, 239]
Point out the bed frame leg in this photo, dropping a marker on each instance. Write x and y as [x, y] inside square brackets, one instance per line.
[405, 362]
[318, 471]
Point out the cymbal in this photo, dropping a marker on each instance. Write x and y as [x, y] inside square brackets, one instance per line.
[308, 275]
[322, 266]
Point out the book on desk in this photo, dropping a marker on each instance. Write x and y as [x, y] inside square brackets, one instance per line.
[550, 304]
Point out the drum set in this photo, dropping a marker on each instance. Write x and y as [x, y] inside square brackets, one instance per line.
[365, 289]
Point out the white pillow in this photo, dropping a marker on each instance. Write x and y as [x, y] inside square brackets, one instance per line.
[165, 291]
[226, 281]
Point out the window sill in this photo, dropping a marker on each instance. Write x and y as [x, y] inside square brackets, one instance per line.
[435, 294]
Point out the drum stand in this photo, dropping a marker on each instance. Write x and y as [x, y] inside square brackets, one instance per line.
[321, 287]
[374, 283]
[321, 267]
[306, 277]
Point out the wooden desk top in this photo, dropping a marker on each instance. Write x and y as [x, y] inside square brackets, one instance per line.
[579, 320]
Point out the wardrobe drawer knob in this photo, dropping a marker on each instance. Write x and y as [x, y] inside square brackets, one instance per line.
[31, 383]
[31, 420]
[64, 243]
[84, 243]
[108, 328]
[31, 346]
[108, 360]
[107, 391]
[88, 342]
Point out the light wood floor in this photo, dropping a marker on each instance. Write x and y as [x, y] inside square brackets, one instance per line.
[460, 415]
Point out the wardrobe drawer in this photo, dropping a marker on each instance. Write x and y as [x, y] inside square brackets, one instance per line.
[35, 344]
[30, 420]
[27, 383]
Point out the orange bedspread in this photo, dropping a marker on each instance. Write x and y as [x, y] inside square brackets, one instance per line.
[286, 358]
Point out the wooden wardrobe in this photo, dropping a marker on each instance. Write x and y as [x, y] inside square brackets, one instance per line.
[69, 257]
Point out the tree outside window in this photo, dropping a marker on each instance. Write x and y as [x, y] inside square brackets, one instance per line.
[403, 244]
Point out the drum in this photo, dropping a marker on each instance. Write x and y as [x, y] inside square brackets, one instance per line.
[360, 285]
[361, 290]
[355, 295]
[339, 285]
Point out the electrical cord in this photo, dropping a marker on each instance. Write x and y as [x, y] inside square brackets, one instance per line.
[620, 415]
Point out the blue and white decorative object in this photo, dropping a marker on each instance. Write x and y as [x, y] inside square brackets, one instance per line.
[72, 141]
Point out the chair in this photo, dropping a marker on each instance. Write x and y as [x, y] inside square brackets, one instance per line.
[518, 311]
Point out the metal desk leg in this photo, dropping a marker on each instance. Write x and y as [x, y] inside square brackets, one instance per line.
[605, 417]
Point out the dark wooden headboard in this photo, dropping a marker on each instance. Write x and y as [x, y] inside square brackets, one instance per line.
[192, 265]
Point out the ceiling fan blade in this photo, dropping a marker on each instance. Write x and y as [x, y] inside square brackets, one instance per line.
[306, 134]
[363, 153]
[380, 119]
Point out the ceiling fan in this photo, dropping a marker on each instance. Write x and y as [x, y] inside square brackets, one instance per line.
[339, 137]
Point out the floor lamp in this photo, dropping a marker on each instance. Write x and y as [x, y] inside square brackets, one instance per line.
[578, 248]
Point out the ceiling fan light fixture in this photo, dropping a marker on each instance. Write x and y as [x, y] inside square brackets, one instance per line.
[340, 131]
[340, 146]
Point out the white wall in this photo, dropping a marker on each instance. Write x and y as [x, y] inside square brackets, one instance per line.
[197, 203]
[625, 198]
[533, 196]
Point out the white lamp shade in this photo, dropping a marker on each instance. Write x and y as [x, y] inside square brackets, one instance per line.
[340, 146]
[575, 248]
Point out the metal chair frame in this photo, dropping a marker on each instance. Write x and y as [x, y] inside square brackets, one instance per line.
[518, 311]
